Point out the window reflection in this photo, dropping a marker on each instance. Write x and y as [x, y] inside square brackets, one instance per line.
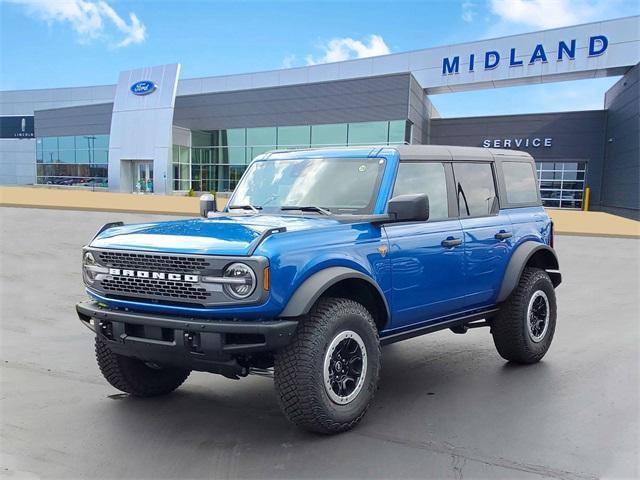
[424, 177]
[561, 183]
[218, 158]
[80, 160]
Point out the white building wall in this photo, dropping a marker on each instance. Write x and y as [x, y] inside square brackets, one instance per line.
[141, 126]
[25, 102]
[17, 161]
[18, 156]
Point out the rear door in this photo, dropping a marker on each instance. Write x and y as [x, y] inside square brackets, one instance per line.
[427, 275]
[487, 231]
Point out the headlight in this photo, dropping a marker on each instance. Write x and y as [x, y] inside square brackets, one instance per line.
[91, 270]
[241, 280]
[88, 261]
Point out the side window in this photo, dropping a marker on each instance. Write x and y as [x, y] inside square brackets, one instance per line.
[520, 182]
[424, 177]
[476, 189]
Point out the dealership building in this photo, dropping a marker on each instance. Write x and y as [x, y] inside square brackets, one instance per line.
[155, 132]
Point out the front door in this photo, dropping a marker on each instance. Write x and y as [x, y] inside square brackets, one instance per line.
[142, 176]
[427, 258]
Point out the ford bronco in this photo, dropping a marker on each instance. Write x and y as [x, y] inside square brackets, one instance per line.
[320, 257]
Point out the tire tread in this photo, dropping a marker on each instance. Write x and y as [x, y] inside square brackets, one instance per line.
[507, 328]
[295, 378]
[133, 376]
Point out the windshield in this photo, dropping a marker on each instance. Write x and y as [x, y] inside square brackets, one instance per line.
[339, 185]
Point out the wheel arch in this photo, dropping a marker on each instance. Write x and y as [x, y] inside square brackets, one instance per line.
[529, 254]
[339, 282]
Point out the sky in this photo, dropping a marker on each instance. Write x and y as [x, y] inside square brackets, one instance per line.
[64, 43]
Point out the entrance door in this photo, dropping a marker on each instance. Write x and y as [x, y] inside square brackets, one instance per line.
[142, 176]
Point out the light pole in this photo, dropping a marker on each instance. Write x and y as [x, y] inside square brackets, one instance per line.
[91, 151]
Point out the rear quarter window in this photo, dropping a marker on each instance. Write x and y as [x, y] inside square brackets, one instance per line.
[520, 182]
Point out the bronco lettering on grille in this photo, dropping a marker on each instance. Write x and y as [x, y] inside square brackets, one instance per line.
[153, 275]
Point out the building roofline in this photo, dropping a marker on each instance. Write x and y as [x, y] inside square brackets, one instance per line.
[343, 62]
[509, 115]
[416, 50]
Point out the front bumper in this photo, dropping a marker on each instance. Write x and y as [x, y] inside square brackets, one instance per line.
[212, 346]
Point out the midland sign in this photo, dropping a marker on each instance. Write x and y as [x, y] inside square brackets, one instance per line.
[564, 50]
[598, 49]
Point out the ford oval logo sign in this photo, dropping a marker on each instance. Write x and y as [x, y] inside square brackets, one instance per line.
[144, 87]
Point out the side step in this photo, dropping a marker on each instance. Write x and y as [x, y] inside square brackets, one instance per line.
[465, 321]
[462, 329]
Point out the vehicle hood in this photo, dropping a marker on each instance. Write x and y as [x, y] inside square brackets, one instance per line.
[221, 235]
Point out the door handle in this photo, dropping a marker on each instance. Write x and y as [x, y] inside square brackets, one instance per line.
[451, 242]
[502, 235]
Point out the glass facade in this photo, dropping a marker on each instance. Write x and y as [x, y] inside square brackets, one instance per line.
[72, 160]
[217, 159]
[562, 183]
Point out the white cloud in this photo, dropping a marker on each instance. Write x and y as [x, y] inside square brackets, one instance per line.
[468, 11]
[289, 61]
[547, 13]
[90, 19]
[339, 49]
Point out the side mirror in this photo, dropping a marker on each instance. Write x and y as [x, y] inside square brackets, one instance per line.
[409, 208]
[207, 204]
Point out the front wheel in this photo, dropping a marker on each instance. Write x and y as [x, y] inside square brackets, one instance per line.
[326, 377]
[523, 329]
[136, 377]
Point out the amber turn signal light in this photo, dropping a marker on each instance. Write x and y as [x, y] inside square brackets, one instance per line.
[266, 278]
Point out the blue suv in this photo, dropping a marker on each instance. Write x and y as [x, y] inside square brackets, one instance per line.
[319, 258]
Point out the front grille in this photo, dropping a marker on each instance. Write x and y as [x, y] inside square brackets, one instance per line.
[138, 279]
[156, 263]
[151, 287]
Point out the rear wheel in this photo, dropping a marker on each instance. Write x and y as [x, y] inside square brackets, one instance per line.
[327, 376]
[135, 376]
[523, 329]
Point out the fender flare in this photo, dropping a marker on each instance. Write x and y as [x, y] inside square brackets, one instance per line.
[518, 262]
[313, 287]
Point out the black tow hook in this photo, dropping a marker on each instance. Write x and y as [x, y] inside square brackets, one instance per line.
[106, 328]
[193, 342]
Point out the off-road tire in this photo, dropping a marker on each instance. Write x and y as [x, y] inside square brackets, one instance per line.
[134, 376]
[299, 367]
[509, 327]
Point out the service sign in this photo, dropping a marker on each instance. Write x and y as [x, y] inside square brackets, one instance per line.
[518, 142]
[20, 126]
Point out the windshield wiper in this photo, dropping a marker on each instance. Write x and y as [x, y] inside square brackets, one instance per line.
[307, 208]
[253, 208]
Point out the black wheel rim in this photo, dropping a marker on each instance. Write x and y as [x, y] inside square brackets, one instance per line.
[345, 367]
[538, 316]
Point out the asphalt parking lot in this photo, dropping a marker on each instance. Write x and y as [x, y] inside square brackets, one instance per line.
[448, 405]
